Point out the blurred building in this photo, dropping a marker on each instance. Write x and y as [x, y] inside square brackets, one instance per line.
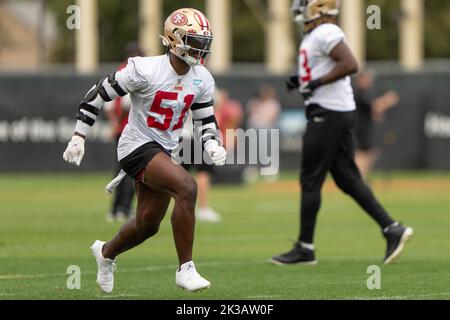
[37, 108]
[27, 31]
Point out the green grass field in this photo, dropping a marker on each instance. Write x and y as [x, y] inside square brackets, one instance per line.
[48, 222]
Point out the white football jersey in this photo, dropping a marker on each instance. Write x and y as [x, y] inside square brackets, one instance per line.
[315, 62]
[160, 101]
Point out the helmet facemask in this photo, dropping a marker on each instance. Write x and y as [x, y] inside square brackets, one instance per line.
[193, 49]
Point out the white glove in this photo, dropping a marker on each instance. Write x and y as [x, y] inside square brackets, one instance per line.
[75, 150]
[217, 153]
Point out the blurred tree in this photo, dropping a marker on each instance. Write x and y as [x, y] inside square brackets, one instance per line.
[172, 5]
[64, 49]
[383, 44]
[248, 33]
[118, 24]
[437, 29]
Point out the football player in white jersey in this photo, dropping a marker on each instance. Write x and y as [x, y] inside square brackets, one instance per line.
[162, 90]
[325, 64]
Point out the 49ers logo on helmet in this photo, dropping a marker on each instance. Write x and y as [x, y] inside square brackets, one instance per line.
[179, 19]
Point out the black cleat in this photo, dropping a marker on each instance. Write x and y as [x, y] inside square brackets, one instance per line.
[298, 255]
[396, 237]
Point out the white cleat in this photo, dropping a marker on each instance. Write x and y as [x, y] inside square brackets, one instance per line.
[110, 218]
[121, 217]
[188, 278]
[106, 267]
[396, 235]
[208, 215]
